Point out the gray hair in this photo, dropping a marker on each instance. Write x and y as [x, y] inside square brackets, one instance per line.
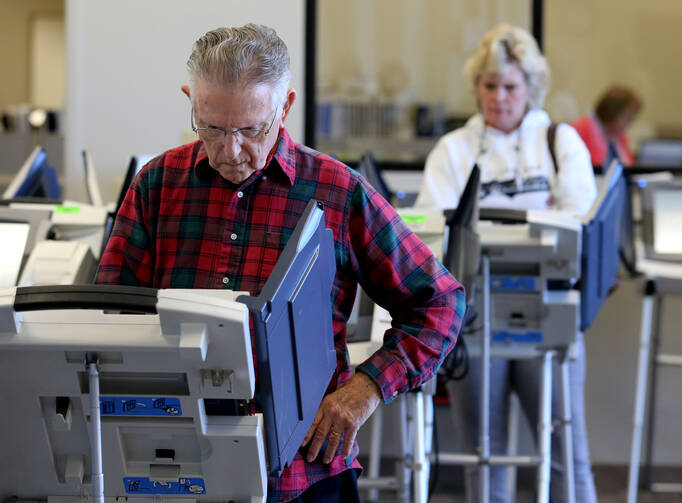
[248, 55]
[504, 45]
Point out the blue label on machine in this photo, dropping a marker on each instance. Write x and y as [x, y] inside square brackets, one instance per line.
[139, 406]
[530, 337]
[516, 283]
[143, 485]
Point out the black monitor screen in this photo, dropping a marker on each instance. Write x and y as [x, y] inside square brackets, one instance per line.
[134, 166]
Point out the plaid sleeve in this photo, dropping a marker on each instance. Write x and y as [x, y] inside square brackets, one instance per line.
[400, 273]
[128, 257]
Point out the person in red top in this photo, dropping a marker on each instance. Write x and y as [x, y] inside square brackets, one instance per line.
[217, 213]
[604, 132]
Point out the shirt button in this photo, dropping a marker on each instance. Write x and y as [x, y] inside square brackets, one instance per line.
[240, 194]
[226, 280]
[233, 236]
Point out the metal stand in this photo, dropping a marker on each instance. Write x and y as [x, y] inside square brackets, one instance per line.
[484, 413]
[648, 362]
[512, 441]
[567, 431]
[640, 392]
[415, 425]
[545, 429]
[484, 460]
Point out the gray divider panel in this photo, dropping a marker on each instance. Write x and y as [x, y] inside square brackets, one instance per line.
[292, 322]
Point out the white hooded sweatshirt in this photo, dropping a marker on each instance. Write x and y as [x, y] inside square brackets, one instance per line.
[517, 170]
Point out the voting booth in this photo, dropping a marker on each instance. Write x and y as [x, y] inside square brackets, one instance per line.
[136, 392]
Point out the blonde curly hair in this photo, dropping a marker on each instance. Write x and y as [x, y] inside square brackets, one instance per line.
[505, 45]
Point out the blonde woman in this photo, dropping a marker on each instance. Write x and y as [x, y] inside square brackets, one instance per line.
[508, 140]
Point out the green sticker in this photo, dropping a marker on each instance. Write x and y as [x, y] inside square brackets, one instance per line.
[414, 219]
[67, 210]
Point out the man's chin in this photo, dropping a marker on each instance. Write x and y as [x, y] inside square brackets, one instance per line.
[235, 174]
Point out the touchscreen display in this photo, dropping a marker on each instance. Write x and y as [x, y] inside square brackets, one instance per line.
[667, 216]
[13, 237]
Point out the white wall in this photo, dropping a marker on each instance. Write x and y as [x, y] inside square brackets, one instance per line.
[126, 63]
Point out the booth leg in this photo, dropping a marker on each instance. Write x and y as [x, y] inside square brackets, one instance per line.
[545, 428]
[402, 469]
[419, 459]
[484, 413]
[512, 442]
[428, 436]
[650, 402]
[640, 397]
[375, 451]
[567, 433]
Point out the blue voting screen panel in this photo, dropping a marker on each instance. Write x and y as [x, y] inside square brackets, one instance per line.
[292, 322]
[40, 180]
[601, 245]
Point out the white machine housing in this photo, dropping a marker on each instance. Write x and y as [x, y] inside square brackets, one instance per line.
[524, 256]
[197, 347]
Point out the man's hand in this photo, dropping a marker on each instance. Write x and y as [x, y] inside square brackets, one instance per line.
[341, 414]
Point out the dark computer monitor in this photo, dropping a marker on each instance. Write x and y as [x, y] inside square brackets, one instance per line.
[134, 166]
[660, 152]
[661, 217]
[36, 179]
[296, 299]
[601, 243]
[463, 245]
[368, 168]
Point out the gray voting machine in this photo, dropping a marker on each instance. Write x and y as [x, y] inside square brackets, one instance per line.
[124, 392]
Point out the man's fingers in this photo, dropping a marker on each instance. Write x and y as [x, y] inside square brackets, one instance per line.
[311, 430]
[318, 438]
[334, 439]
[348, 441]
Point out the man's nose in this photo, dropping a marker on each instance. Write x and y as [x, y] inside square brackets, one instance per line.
[232, 145]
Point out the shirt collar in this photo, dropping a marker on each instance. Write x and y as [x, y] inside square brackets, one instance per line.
[283, 159]
[285, 155]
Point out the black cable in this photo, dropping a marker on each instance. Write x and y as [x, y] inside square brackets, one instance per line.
[456, 365]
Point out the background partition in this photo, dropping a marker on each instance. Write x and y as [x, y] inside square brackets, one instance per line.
[126, 63]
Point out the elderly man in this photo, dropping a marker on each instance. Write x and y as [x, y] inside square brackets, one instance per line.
[216, 213]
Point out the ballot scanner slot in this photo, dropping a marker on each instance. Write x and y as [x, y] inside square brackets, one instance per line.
[137, 383]
[514, 269]
[503, 216]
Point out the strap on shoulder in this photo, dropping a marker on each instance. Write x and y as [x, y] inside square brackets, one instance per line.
[551, 138]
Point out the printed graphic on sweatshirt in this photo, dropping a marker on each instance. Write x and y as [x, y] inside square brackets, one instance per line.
[512, 188]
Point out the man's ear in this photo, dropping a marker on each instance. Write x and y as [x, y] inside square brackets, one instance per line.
[185, 89]
[291, 97]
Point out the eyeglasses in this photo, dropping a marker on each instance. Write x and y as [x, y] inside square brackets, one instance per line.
[214, 134]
